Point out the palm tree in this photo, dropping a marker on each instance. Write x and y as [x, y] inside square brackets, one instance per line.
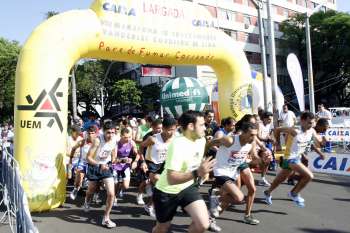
[49, 14]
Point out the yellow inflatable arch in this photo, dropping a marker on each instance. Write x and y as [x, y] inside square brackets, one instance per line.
[141, 31]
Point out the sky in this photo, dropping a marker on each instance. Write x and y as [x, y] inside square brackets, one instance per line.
[18, 18]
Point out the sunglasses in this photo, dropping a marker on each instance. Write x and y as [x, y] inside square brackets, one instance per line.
[110, 132]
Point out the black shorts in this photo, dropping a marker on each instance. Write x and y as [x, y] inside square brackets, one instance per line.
[165, 204]
[155, 168]
[221, 180]
[94, 173]
[140, 175]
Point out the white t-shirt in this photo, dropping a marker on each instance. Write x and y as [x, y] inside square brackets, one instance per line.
[287, 118]
[265, 129]
[325, 114]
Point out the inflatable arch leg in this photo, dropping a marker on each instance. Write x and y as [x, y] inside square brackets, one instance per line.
[143, 31]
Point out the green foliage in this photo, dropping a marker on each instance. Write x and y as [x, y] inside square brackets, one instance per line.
[330, 36]
[126, 91]
[9, 51]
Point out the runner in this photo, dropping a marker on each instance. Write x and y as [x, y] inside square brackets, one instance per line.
[125, 148]
[79, 164]
[321, 127]
[233, 156]
[157, 148]
[297, 141]
[99, 158]
[72, 141]
[265, 135]
[177, 183]
[142, 171]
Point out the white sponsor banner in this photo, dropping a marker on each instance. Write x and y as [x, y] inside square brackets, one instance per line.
[337, 164]
[338, 134]
[296, 76]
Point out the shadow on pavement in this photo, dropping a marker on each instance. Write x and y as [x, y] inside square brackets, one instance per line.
[312, 230]
[342, 199]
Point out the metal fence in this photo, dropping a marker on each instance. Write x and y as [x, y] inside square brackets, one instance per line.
[13, 199]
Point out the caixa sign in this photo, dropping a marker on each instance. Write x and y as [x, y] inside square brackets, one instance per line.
[338, 164]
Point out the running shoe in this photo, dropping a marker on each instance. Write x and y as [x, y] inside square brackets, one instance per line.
[213, 226]
[108, 223]
[115, 202]
[96, 198]
[248, 219]
[268, 198]
[73, 194]
[298, 200]
[149, 190]
[150, 210]
[139, 199]
[121, 194]
[86, 207]
[264, 182]
[214, 205]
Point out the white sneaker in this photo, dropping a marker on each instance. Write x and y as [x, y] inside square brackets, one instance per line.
[96, 198]
[86, 207]
[73, 194]
[139, 199]
[115, 202]
[149, 190]
[264, 182]
[108, 223]
[214, 205]
[121, 193]
[298, 200]
[213, 226]
[150, 210]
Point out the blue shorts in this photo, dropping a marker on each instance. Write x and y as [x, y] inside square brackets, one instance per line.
[81, 166]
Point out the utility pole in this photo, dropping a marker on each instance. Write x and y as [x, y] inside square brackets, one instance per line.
[74, 93]
[273, 67]
[309, 58]
[259, 6]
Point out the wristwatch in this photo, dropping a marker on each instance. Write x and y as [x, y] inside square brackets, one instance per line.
[195, 174]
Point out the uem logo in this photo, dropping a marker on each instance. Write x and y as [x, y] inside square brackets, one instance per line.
[45, 109]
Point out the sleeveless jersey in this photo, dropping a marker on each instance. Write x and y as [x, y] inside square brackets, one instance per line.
[157, 152]
[228, 159]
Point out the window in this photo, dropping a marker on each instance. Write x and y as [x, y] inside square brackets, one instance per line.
[226, 14]
[242, 36]
[253, 58]
[253, 38]
[246, 20]
[276, 26]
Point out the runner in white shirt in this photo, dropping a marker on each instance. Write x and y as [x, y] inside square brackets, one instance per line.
[297, 142]
[99, 158]
[79, 165]
[233, 156]
[156, 153]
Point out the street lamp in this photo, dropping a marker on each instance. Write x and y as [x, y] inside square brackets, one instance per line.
[259, 6]
[309, 57]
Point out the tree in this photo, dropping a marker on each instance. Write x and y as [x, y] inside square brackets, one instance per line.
[150, 97]
[9, 51]
[126, 92]
[330, 36]
[49, 14]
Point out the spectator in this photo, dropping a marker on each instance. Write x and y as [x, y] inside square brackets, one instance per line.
[286, 118]
[324, 113]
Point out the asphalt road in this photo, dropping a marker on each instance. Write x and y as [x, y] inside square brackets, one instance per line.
[327, 211]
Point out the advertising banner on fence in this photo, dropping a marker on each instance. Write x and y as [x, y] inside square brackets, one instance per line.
[338, 164]
[338, 134]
